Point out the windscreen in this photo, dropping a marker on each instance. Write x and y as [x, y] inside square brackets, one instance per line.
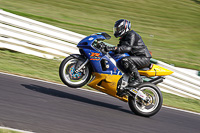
[105, 35]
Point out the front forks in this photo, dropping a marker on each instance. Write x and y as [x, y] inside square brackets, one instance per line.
[82, 66]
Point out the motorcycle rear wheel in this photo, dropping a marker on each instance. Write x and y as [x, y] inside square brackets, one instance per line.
[150, 108]
[70, 77]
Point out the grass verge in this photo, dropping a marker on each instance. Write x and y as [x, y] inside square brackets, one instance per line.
[35, 67]
[9, 131]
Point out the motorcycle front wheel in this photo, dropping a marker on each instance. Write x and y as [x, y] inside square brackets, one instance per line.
[147, 107]
[70, 77]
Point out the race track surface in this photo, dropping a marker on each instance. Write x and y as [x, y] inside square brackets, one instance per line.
[48, 108]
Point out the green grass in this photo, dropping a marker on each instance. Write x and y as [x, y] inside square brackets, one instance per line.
[29, 65]
[170, 28]
[35, 67]
[180, 102]
[8, 131]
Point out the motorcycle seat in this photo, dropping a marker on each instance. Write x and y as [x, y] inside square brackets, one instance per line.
[146, 68]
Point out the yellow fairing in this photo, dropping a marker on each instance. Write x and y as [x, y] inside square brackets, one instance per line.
[106, 83]
[155, 71]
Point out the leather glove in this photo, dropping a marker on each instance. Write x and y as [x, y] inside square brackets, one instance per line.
[108, 49]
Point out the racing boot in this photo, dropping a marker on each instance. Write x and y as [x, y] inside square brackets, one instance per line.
[137, 79]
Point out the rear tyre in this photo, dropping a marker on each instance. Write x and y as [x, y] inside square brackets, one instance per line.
[150, 107]
[70, 77]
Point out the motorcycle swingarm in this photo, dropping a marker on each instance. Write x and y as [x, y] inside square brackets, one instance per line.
[140, 94]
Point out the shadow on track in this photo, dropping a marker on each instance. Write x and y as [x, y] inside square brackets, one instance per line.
[61, 94]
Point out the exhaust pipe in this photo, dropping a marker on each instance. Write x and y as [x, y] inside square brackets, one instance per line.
[157, 80]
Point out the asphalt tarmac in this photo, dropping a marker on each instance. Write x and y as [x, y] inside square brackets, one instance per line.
[49, 108]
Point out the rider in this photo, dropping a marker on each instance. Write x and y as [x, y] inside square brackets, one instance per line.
[131, 43]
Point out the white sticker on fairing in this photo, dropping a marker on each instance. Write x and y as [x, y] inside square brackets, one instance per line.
[113, 61]
[91, 38]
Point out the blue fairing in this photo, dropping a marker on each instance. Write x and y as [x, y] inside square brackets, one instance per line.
[87, 42]
[117, 57]
[96, 56]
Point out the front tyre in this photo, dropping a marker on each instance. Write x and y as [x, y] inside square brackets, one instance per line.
[151, 105]
[70, 77]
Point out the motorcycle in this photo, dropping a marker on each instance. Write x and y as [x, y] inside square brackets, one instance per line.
[102, 71]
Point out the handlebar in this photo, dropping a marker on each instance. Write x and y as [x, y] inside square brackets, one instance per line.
[101, 46]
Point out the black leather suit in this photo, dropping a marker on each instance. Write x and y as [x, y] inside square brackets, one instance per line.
[133, 44]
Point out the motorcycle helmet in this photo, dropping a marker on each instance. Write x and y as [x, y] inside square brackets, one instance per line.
[121, 27]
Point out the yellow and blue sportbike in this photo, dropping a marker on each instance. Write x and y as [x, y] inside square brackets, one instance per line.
[102, 71]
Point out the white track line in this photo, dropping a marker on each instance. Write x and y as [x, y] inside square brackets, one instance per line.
[17, 130]
[89, 91]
